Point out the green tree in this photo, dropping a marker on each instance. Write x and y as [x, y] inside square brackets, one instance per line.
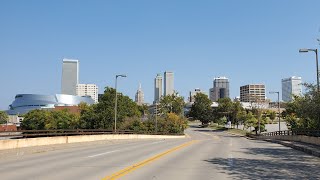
[172, 124]
[62, 119]
[201, 108]
[143, 109]
[36, 120]
[104, 110]
[3, 117]
[88, 117]
[224, 109]
[45, 120]
[251, 121]
[171, 104]
[133, 124]
[306, 109]
[235, 111]
[242, 117]
[272, 116]
[292, 122]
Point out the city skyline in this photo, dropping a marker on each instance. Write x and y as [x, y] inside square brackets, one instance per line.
[217, 39]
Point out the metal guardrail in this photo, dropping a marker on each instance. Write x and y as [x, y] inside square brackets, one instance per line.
[70, 132]
[314, 133]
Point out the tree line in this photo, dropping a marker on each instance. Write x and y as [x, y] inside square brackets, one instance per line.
[304, 111]
[228, 110]
[101, 116]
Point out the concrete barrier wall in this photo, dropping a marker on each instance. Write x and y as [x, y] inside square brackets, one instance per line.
[43, 141]
[305, 139]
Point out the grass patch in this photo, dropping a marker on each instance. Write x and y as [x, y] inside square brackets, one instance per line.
[216, 126]
[231, 130]
[238, 132]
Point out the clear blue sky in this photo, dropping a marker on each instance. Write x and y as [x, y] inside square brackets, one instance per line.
[248, 41]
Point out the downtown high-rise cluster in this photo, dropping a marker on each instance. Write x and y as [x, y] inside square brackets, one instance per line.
[291, 87]
[168, 85]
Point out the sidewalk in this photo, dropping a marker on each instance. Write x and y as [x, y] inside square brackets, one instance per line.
[304, 147]
[300, 146]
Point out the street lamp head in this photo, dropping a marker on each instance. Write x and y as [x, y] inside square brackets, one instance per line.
[121, 75]
[307, 50]
[303, 50]
[273, 92]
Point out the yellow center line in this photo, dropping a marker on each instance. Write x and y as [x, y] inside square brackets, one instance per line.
[131, 168]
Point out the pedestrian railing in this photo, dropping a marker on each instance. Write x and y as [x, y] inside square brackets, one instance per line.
[315, 133]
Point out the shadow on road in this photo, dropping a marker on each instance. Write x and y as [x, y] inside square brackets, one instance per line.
[277, 163]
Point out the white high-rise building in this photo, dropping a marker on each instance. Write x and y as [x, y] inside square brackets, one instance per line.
[168, 83]
[157, 88]
[291, 86]
[70, 76]
[88, 90]
[139, 98]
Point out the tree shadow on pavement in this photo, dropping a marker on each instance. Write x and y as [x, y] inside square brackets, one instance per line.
[269, 163]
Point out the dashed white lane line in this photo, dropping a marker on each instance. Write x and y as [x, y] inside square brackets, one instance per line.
[119, 150]
[103, 154]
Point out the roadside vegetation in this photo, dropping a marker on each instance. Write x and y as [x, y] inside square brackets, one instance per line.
[233, 112]
[304, 112]
[130, 116]
[3, 117]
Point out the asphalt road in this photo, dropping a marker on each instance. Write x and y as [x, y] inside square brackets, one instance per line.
[205, 154]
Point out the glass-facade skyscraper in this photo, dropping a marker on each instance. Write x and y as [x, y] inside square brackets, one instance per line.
[70, 76]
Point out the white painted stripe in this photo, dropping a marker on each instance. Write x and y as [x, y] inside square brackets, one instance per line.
[109, 152]
[103, 154]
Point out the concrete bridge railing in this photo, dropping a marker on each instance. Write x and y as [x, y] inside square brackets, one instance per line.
[305, 136]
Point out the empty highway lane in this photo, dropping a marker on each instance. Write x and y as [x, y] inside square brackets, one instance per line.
[204, 154]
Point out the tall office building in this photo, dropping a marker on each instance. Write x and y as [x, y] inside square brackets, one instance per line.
[157, 88]
[168, 83]
[253, 93]
[88, 90]
[220, 89]
[291, 86]
[70, 76]
[139, 98]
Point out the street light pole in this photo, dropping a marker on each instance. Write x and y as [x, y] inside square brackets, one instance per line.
[277, 92]
[316, 51]
[115, 106]
[156, 117]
